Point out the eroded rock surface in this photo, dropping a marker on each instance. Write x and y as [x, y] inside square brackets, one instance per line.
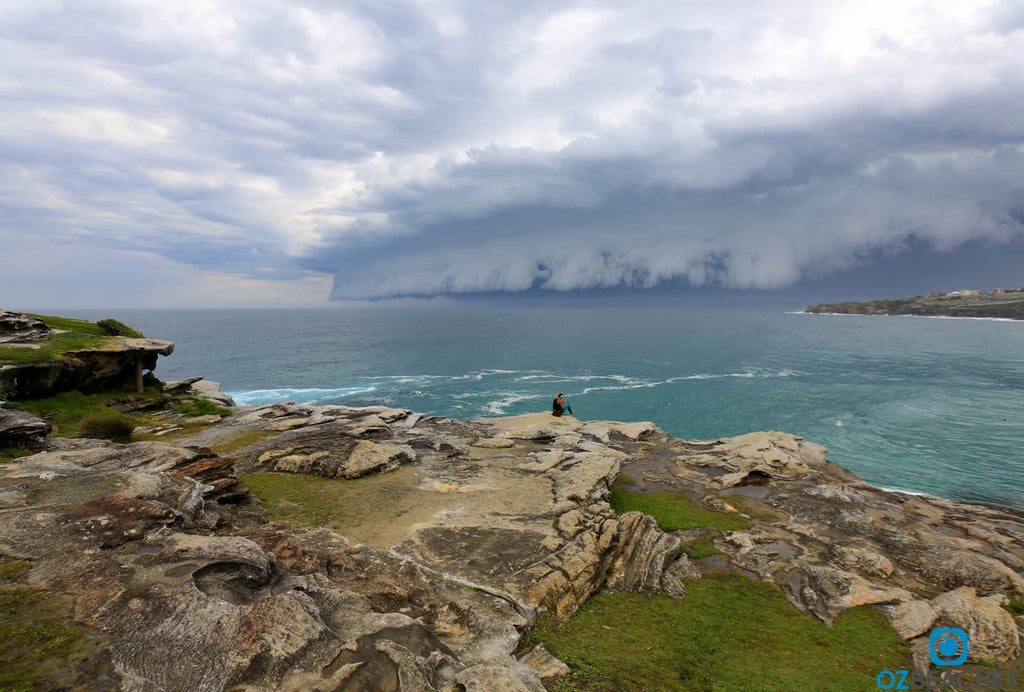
[477, 527]
[16, 327]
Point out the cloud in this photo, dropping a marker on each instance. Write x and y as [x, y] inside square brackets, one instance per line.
[417, 149]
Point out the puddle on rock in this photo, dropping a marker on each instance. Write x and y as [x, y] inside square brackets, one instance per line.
[757, 492]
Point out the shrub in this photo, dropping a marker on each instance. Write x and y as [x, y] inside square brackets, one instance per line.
[115, 328]
[116, 428]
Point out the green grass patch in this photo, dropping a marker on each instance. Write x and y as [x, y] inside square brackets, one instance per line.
[727, 634]
[700, 548]
[37, 645]
[51, 348]
[1016, 607]
[12, 453]
[674, 510]
[308, 500]
[202, 407]
[70, 324]
[74, 335]
[66, 411]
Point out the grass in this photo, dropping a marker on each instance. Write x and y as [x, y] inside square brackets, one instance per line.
[52, 348]
[75, 335]
[12, 453]
[37, 645]
[700, 548]
[303, 500]
[12, 569]
[1015, 606]
[674, 511]
[202, 407]
[372, 509]
[67, 410]
[728, 634]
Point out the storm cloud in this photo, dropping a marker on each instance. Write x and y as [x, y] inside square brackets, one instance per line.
[425, 148]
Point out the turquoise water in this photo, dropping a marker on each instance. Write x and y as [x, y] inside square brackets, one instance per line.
[927, 405]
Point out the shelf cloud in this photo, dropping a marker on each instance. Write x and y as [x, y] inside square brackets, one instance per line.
[420, 149]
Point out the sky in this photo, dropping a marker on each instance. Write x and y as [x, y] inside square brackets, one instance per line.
[266, 153]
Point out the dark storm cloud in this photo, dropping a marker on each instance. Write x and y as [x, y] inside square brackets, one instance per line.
[418, 148]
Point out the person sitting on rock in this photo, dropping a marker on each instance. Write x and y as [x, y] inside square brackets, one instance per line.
[558, 407]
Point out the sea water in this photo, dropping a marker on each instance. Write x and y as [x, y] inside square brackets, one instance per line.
[918, 404]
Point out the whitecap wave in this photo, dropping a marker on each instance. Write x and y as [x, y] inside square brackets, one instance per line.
[311, 395]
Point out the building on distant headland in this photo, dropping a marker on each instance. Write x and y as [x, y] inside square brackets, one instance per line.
[963, 293]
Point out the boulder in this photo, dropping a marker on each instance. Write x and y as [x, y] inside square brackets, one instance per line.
[911, 619]
[991, 631]
[547, 666]
[21, 429]
[210, 391]
[16, 327]
[757, 455]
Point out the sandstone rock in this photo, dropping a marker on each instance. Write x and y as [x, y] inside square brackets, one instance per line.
[21, 429]
[495, 443]
[547, 666]
[761, 454]
[644, 553]
[180, 387]
[911, 619]
[603, 430]
[517, 678]
[374, 456]
[108, 366]
[991, 631]
[16, 327]
[210, 391]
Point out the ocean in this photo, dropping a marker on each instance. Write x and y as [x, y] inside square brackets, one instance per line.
[917, 404]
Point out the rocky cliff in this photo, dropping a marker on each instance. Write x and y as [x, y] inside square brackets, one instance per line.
[178, 580]
[43, 368]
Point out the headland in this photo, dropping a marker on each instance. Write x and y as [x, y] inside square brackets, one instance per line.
[999, 303]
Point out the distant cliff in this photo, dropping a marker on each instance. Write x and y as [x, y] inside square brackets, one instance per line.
[1004, 303]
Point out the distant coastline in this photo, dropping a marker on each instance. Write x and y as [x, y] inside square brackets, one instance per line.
[997, 304]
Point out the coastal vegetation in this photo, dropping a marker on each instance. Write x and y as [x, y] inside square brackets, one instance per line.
[115, 328]
[56, 345]
[674, 511]
[729, 633]
[202, 407]
[68, 335]
[67, 411]
[36, 643]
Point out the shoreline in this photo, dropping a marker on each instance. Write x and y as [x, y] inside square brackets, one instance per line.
[888, 314]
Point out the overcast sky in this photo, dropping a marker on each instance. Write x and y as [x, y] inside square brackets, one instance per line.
[257, 152]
